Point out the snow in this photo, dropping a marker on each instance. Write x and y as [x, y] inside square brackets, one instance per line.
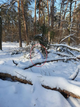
[38, 54]
[54, 74]
[39, 35]
[45, 80]
[21, 95]
[74, 102]
[61, 83]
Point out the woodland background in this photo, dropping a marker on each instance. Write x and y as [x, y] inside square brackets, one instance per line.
[57, 20]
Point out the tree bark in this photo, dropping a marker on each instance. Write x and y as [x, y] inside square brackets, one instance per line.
[19, 21]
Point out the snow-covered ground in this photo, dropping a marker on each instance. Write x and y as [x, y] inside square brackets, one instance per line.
[15, 94]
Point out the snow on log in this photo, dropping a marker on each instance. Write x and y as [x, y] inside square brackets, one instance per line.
[54, 83]
[62, 85]
[65, 92]
[51, 60]
[14, 78]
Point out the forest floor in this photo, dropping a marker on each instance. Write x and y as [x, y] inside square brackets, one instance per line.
[58, 73]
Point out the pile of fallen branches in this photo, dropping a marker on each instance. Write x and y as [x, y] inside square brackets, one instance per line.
[65, 46]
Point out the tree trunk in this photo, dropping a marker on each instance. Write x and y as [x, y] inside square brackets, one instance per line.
[43, 13]
[74, 12]
[35, 19]
[70, 10]
[0, 31]
[52, 14]
[39, 10]
[25, 23]
[48, 12]
[60, 24]
[69, 39]
[19, 20]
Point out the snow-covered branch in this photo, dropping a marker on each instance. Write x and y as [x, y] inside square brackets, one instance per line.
[28, 65]
[67, 37]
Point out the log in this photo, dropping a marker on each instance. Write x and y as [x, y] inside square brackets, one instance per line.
[39, 63]
[65, 93]
[14, 78]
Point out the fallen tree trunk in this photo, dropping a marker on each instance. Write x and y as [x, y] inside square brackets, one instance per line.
[14, 78]
[64, 92]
